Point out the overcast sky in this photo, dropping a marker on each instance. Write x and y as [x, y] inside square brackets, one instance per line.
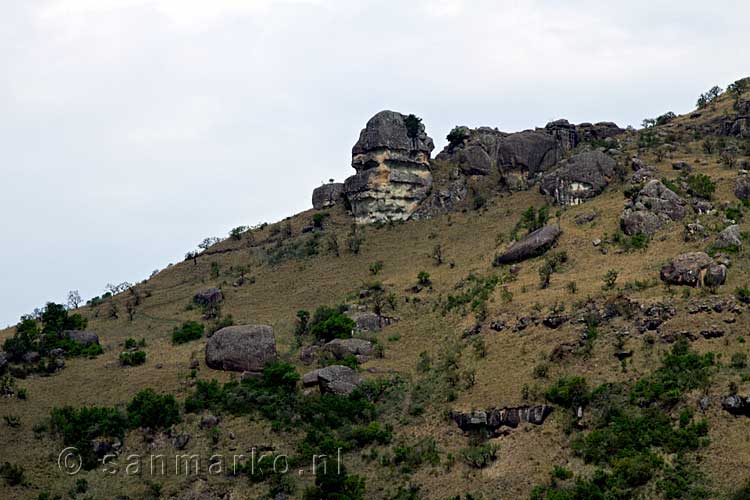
[132, 129]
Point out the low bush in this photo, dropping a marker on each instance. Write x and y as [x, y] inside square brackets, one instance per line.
[328, 323]
[479, 456]
[78, 427]
[132, 358]
[190, 330]
[152, 410]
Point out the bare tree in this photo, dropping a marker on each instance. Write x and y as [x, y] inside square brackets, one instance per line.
[74, 299]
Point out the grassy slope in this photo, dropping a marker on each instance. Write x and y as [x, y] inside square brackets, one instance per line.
[470, 242]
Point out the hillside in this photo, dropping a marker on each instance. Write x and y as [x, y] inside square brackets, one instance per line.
[417, 242]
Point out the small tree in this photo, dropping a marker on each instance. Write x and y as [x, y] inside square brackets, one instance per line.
[74, 299]
[413, 126]
[236, 233]
[457, 136]
[208, 243]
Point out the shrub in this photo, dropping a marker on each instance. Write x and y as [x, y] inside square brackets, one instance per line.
[331, 483]
[701, 185]
[13, 474]
[413, 126]
[479, 456]
[79, 427]
[318, 219]
[457, 136]
[531, 220]
[376, 267]
[328, 324]
[190, 330]
[236, 233]
[570, 392]
[610, 279]
[423, 278]
[739, 360]
[411, 457]
[152, 410]
[132, 358]
[130, 343]
[742, 294]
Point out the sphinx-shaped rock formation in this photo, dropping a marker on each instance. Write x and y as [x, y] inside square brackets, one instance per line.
[392, 160]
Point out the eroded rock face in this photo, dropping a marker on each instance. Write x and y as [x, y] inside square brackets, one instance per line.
[531, 245]
[393, 170]
[245, 348]
[528, 154]
[580, 178]
[655, 206]
[494, 418]
[693, 269]
[327, 195]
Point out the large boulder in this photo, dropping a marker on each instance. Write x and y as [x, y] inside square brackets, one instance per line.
[208, 297]
[729, 238]
[742, 187]
[599, 131]
[327, 195]
[245, 348]
[342, 348]
[693, 269]
[564, 133]
[652, 208]
[527, 154]
[736, 405]
[531, 245]
[337, 379]
[393, 170]
[81, 337]
[583, 176]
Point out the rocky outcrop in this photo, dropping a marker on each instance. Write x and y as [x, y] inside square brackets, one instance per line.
[599, 131]
[393, 169]
[337, 379]
[245, 348]
[208, 297]
[729, 238]
[81, 337]
[564, 133]
[327, 195]
[652, 208]
[736, 405]
[693, 269]
[736, 126]
[524, 156]
[742, 187]
[494, 418]
[580, 178]
[342, 348]
[531, 245]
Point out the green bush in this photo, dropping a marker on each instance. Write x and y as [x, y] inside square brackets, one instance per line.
[328, 324]
[152, 410]
[701, 185]
[190, 330]
[570, 392]
[13, 474]
[410, 457]
[423, 278]
[457, 136]
[132, 358]
[78, 427]
[480, 456]
[332, 484]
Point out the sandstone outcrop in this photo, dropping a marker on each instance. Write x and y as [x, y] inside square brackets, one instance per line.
[327, 195]
[583, 176]
[693, 269]
[392, 160]
[494, 418]
[653, 207]
[246, 348]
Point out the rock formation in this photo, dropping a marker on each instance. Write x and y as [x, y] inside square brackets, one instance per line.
[494, 418]
[327, 195]
[241, 348]
[393, 169]
[84, 338]
[583, 176]
[653, 207]
[693, 269]
[531, 245]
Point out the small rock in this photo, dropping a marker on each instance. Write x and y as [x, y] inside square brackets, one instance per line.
[180, 441]
[209, 421]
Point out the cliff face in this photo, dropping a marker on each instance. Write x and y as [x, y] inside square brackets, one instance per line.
[392, 160]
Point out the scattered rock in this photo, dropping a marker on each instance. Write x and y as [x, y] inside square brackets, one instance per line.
[194, 364]
[310, 379]
[209, 421]
[736, 405]
[704, 403]
[209, 297]
[31, 357]
[393, 170]
[241, 348]
[57, 353]
[580, 178]
[695, 232]
[3, 360]
[307, 354]
[693, 269]
[180, 441]
[531, 245]
[327, 195]
[742, 187]
[621, 355]
[682, 166]
[337, 379]
[585, 218]
[554, 320]
[712, 333]
[497, 325]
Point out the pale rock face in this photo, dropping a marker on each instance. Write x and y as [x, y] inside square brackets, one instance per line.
[393, 170]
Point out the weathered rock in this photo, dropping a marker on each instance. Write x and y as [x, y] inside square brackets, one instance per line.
[653, 207]
[712, 333]
[564, 133]
[494, 418]
[31, 357]
[241, 348]
[341, 348]
[209, 421]
[307, 354]
[693, 269]
[81, 337]
[531, 245]
[208, 297]
[366, 321]
[695, 232]
[393, 170]
[736, 405]
[742, 187]
[585, 217]
[180, 441]
[338, 380]
[729, 238]
[3, 360]
[57, 353]
[527, 154]
[682, 166]
[582, 177]
[554, 320]
[327, 195]
[600, 131]
[310, 379]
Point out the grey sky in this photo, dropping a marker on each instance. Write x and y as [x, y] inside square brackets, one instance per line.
[132, 129]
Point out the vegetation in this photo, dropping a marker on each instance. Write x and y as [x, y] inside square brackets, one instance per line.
[701, 185]
[328, 323]
[190, 330]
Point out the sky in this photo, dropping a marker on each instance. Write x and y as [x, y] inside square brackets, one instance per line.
[132, 129]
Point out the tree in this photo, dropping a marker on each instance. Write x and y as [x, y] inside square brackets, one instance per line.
[74, 299]
[208, 243]
[413, 126]
[236, 233]
[192, 256]
[457, 136]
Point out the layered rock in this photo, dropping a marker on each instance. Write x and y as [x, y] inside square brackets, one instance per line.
[653, 207]
[531, 245]
[393, 169]
[693, 269]
[327, 195]
[494, 418]
[245, 348]
[583, 176]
